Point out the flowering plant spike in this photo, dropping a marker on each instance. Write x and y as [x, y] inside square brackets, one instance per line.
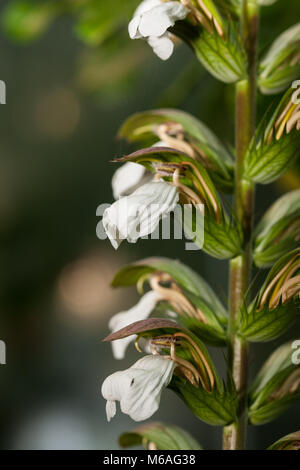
[180, 163]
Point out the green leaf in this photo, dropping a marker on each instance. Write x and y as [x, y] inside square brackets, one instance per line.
[26, 20]
[278, 231]
[276, 386]
[163, 436]
[182, 274]
[289, 442]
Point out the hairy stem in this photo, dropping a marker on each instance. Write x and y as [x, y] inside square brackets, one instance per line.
[240, 267]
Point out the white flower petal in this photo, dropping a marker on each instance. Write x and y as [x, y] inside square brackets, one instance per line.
[129, 177]
[145, 6]
[162, 46]
[111, 409]
[113, 388]
[157, 20]
[120, 345]
[133, 27]
[137, 215]
[140, 311]
[139, 388]
[153, 374]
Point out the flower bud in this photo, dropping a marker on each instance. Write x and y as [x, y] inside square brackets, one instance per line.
[275, 146]
[279, 230]
[276, 386]
[276, 305]
[281, 64]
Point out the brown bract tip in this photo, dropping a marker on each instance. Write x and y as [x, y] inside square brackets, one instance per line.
[142, 326]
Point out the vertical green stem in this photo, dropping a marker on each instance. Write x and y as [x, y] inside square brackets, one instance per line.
[240, 267]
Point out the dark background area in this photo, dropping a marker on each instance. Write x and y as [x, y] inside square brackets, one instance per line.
[65, 103]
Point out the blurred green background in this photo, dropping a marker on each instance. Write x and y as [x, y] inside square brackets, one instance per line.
[72, 77]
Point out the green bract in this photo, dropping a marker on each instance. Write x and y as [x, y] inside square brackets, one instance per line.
[233, 7]
[217, 408]
[165, 274]
[182, 129]
[267, 324]
[276, 386]
[281, 64]
[223, 56]
[278, 231]
[289, 442]
[222, 234]
[276, 143]
[159, 436]
[276, 305]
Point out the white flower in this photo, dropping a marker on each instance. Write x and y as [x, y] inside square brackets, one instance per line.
[138, 389]
[138, 215]
[140, 311]
[162, 46]
[152, 19]
[129, 177]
